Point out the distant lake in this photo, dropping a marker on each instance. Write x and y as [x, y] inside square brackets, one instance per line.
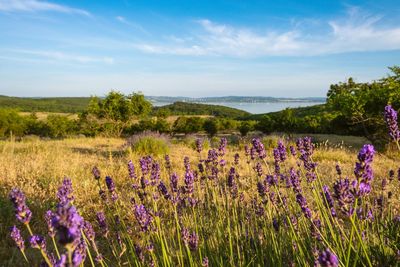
[257, 108]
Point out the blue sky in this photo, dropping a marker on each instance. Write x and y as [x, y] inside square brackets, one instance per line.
[193, 48]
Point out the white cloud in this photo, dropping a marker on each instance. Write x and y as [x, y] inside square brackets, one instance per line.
[60, 56]
[356, 32]
[34, 5]
[134, 25]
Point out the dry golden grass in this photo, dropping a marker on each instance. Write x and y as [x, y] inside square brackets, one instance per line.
[38, 167]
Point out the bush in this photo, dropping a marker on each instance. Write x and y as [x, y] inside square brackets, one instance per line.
[149, 143]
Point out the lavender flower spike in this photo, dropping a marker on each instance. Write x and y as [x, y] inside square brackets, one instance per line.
[328, 259]
[391, 121]
[16, 236]
[22, 212]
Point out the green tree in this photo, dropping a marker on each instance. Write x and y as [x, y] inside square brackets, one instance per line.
[244, 128]
[211, 127]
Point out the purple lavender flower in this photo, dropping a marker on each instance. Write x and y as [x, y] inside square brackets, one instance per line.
[303, 204]
[101, 220]
[295, 180]
[155, 173]
[167, 162]
[88, 231]
[328, 200]
[189, 182]
[143, 217]
[174, 182]
[111, 188]
[391, 121]
[259, 148]
[38, 242]
[48, 217]
[275, 224]
[131, 170]
[79, 254]
[338, 170]
[204, 263]
[199, 145]
[232, 182]
[164, 191]
[222, 146]
[145, 164]
[186, 163]
[258, 169]
[363, 169]
[293, 151]
[193, 241]
[62, 262]
[236, 159]
[344, 196]
[282, 151]
[64, 193]
[67, 223]
[328, 259]
[96, 173]
[15, 234]
[22, 212]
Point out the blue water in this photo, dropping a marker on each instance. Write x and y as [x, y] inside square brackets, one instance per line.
[257, 108]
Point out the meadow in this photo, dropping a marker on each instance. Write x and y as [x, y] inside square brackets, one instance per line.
[244, 202]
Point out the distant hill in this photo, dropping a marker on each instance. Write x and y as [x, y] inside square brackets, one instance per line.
[48, 104]
[233, 99]
[299, 112]
[79, 104]
[184, 108]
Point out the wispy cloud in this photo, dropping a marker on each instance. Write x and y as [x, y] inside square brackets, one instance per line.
[354, 33]
[35, 5]
[61, 56]
[134, 25]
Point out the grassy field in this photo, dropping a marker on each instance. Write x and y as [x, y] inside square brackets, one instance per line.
[230, 230]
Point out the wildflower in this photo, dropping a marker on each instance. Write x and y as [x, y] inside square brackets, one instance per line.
[232, 182]
[143, 217]
[38, 242]
[282, 151]
[329, 200]
[344, 196]
[96, 173]
[186, 163]
[338, 170]
[145, 164]
[275, 224]
[88, 230]
[303, 204]
[174, 182]
[155, 173]
[199, 145]
[48, 216]
[79, 254]
[167, 162]
[111, 188]
[204, 263]
[328, 259]
[258, 169]
[259, 148]
[15, 234]
[391, 121]
[262, 189]
[363, 169]
[193, 241]
[67, 223]
[101, 220]
[62, 262]
[293, 151]
[22, 212]
[189, 182]
[131, 170]
[64, 193]
[164, 191]
[236, 159]
[222, 146]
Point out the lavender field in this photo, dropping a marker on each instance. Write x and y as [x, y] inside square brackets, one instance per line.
[257, 202]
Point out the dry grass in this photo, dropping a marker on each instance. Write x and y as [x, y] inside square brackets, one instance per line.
[38, 166]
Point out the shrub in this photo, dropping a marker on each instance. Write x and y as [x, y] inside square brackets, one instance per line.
[149, 143]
